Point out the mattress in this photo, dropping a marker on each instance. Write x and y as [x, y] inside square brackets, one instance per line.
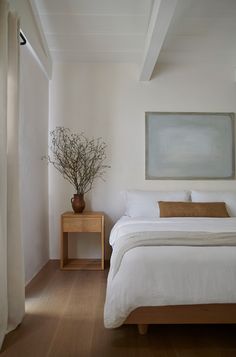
[157, 274]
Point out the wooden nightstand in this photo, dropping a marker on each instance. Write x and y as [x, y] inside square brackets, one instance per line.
[92, 222]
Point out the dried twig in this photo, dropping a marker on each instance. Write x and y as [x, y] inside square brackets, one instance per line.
[79, 159]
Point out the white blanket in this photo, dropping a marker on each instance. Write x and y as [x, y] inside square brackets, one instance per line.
[147, 270]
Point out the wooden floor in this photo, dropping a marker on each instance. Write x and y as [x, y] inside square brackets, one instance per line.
[64, 318]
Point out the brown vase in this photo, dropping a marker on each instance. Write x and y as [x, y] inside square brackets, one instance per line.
[78, 203]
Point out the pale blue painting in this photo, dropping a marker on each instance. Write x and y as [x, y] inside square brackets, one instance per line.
[189, 146]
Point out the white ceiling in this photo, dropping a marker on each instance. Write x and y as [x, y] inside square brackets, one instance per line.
[95, 30]
[119, 31]
[202, 30]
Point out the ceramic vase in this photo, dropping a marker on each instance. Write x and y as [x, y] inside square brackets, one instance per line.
[78, 203]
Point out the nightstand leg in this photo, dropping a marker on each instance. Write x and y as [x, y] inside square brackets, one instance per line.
[64, 249]
[103, 245]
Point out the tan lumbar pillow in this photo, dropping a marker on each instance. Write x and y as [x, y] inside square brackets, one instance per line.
[192, 209]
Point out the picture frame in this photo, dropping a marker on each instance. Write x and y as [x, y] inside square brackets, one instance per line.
[189, 146]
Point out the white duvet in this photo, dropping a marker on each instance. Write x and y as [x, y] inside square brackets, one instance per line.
[168, 262]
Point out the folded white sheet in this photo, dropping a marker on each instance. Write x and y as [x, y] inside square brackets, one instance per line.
[170, 275]
[129, 225]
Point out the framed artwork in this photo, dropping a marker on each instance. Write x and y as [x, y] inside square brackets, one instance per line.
[189, 146]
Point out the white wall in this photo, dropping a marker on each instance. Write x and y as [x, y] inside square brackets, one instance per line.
[34, 94]
[107, 100]
[31, 26]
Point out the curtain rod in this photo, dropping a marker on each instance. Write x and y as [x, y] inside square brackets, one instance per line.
[23, 39]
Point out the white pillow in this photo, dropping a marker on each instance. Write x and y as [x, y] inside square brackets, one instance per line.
[229, 197]
[145, 203]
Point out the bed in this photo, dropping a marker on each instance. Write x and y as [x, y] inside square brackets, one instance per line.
[172, 270]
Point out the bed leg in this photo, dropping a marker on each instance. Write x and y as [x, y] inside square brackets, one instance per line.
[142, 329]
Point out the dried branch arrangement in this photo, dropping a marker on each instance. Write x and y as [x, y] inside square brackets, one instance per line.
[78, 159]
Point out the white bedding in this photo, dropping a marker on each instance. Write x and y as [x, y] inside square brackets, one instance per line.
[158, 275]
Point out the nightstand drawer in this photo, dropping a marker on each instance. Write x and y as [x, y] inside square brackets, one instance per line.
[75, 224]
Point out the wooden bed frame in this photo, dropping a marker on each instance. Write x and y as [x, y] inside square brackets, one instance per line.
[182, 314]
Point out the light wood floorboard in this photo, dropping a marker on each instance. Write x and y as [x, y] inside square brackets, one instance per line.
[64, 318]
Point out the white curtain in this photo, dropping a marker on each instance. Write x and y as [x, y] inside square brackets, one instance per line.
[11, 256]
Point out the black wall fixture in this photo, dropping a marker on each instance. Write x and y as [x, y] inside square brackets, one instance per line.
[22, 39]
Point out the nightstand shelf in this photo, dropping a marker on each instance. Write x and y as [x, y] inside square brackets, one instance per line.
[87, 222]
[82, 264]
